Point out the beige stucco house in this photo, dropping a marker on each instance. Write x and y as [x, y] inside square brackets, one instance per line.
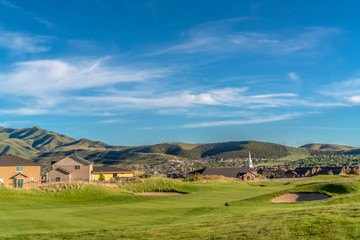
[18, 172]
[71, 168]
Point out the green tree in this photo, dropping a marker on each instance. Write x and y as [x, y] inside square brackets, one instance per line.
[101, 176]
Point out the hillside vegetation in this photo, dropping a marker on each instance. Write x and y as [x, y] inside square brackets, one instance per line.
[327, 147]
[45, 146]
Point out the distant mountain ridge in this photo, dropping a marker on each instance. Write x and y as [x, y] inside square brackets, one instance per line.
[44, 146]
[30, 142]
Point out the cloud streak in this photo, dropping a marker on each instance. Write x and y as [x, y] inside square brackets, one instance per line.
[223, 37]
[242, 122]
[20, 42]
[48, 77]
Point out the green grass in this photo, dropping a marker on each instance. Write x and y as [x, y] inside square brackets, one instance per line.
[95, 212]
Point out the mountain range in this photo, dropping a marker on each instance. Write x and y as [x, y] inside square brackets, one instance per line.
[45, 146]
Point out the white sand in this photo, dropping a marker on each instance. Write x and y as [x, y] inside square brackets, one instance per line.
[300, 197]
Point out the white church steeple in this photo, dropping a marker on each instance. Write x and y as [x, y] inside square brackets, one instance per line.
[250, 164]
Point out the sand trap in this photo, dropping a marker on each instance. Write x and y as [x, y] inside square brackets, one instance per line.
[159, 193]
[300, 197]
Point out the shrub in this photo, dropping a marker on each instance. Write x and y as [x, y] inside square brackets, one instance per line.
[197, 177]
[146, 175]
[354, 171]
[101, 176]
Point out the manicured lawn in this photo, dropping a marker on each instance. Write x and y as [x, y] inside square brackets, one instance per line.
[94, 212]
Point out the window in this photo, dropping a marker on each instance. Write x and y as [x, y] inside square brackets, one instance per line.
[77, 167]
[57, 179]
[19, 169]
[31, 179]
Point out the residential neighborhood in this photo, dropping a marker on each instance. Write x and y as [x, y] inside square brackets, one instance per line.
[22, 173]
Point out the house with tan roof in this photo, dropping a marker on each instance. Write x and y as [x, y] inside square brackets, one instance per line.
[242, 173]
[71, 168]
[18, 172]
[111, 173]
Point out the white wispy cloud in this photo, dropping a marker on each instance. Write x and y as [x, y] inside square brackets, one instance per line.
[111, 121]
[44, 86]
[243, 122]
[294, 77]
[347, 92]
[24, 111]
[223, 37]
[48, 77]
[20, 42]
[13, 123]
[230, 97]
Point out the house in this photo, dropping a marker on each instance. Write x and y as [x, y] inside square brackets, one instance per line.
[247, 176]
[290, 174]
[331, 171]
[306, 171]
[111, 173]
[18, 172]
[242, 173]
[71, 168]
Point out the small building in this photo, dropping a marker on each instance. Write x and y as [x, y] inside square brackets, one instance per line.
[242, 173]
[290, 174]
[18, 172]
[70, 168]
[247, 176]
[111, 173]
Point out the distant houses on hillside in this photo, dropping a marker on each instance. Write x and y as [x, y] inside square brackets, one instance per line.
[21, 173]
[245, 174]
[248, 174]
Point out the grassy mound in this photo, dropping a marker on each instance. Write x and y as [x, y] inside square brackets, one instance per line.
[157, 185]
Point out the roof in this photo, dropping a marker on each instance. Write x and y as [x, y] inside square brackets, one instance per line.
[334, 170]
[290, 172]
[302, 170]
[226, 172]
[18, 174]
[11, 160]
[242, 174]
[108, 169]
[62, 170]
[76, 159]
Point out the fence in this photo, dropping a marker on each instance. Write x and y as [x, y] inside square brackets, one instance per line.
[25, 185]
[37, 184]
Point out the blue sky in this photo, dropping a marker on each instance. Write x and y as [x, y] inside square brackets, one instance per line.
[144, 72]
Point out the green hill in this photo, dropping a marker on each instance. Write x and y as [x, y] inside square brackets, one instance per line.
[17, 147]
[39, 139]
[151, 154]
[327, 147]
[45, 146]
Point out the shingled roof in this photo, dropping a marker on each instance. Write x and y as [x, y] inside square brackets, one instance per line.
[80, 160]
[11, 160]
[63, 171]
[327, 170]
[108, 169]
[226, 172]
